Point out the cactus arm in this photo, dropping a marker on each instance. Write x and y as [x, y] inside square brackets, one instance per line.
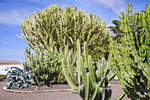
[70, 71]
[87, 86]
[84, 63]
[101, 67]
[70, 77]
[71, 84]
[95, 92]
[85, 54]
[111, 76]
[100, 70]
[108, 66]
[83, 70]
[90, 67]
[78, 61]
[121, 96]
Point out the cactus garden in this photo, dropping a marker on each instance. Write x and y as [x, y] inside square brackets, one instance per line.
[68, 46]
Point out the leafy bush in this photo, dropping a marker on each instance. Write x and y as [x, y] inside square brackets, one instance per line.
[58, 27]
[44, 69]
[17, 78]
[131, 58]
[90, 81]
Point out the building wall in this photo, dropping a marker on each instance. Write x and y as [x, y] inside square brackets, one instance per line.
[4, 68]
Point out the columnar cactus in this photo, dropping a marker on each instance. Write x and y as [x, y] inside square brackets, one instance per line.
[45, 68]
[90, 81]
[131, 58]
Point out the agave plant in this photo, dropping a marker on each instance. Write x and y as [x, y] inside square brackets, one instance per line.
[17, 78]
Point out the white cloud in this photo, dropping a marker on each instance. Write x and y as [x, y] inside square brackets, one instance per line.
[115, 5]
[12, 16]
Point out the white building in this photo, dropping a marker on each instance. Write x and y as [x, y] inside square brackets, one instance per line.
[5, 65]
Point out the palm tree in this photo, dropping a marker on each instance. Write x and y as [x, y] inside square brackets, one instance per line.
[115, 29]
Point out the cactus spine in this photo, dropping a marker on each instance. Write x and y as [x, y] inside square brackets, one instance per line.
[80, 74]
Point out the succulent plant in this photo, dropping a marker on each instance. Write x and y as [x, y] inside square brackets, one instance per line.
[131, 58]
[17, 78]
[57, 27]
[44, 68]
[84, 78]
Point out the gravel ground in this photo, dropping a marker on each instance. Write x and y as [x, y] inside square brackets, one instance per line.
[62, 95]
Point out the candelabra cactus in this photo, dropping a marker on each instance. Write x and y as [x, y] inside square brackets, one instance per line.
[131, 58]
[90, 81]
[56, 26]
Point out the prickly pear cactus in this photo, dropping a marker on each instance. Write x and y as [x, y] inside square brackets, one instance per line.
[90, 81]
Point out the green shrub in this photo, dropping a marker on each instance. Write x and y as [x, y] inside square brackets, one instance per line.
[131, 57]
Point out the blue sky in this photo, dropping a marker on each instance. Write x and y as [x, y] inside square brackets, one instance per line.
[13, 12]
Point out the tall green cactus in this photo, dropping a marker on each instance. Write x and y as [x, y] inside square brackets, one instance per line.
[44, 68]
[90, 81]
[57, 27]
[131, 58]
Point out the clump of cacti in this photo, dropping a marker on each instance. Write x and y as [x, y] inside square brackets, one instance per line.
[131, 57]
[57, 27]
[44, 68]
[85, 78]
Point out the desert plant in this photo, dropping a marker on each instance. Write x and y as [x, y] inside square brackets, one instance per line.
[57, 27]
[44, 68]
[17, 78]
[84, 78]
[131, 58]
